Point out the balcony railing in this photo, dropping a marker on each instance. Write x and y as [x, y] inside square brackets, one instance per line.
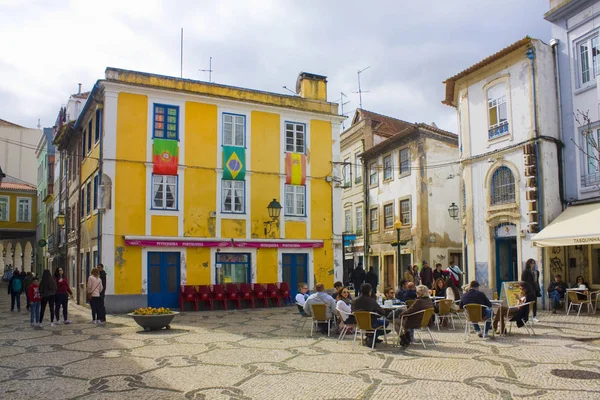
[590, 179]
[498, 131]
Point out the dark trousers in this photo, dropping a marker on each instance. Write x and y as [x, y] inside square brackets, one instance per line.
[27, 298]
[62, 299]
[50, 302]
[95, 305]
[101, 309]
[15, 298]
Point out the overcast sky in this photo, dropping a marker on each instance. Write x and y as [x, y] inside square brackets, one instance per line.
[47, 47]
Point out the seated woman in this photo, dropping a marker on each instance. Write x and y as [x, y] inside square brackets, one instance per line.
[452, 293]
[344, 306]
[519, 313]
[301, 297]
[580, 282]
[440, 288]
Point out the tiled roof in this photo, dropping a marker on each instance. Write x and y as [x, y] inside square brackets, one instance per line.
[450, 82]
[387, 126]
[20, 186]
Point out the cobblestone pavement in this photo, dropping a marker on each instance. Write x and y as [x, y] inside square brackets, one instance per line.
[261, 355]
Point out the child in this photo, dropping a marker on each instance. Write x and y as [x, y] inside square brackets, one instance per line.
[33, 294]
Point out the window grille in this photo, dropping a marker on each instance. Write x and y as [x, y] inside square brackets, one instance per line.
[503, 186]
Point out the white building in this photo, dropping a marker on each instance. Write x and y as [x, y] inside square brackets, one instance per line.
[17, 151]
[508, 130]
[410, 176]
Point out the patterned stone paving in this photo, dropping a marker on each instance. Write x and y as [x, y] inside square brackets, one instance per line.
[261, 354]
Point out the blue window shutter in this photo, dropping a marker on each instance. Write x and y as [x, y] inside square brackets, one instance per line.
[89, 138]
[89, 198]
[96, 192]
[98, 125]
[82, 202]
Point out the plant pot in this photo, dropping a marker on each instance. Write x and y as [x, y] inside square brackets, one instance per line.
[154, 322]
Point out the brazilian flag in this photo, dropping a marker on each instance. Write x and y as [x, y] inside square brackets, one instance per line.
[234, 163]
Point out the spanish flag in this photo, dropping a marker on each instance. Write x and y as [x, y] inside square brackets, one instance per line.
[165, 156]
[295, 168]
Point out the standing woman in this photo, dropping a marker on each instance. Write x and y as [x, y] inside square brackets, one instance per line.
[62, 295]
[416, 275]
[94, 287]
[408, 275]
[48, 294]
[529, 276]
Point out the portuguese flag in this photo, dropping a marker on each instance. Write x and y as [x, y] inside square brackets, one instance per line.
[165, 156]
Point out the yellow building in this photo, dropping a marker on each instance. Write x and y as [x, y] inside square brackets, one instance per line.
[18, 211]
[176, 180]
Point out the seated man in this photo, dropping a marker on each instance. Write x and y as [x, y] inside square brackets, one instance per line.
[365, 302]
[423, 302]
[556, 291]
[474, 296]
[320, 297]
[410, 293]
[401, 290]
[389, 294]
[301, 297]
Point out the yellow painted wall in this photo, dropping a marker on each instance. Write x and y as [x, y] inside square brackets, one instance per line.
[266, 132]
[164, 225]
[323, 267]
[233, 228]
[130, 189]
[266, 266]
[198, 265]
[12, 211]
[200, 185]
[295, 230]
[320, 165]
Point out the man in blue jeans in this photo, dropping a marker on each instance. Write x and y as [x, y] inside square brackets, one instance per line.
[474, 296]
[366, 302]
[556, 291]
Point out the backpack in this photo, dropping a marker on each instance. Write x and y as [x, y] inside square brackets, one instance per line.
[17, 285]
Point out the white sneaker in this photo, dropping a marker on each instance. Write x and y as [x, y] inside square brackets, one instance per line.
[94, 322]
[51, 324]
[102, 322]
[535, 319]
[57, 322]
[67, 322]
[33, 324]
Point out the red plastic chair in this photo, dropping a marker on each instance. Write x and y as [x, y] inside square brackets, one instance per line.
[273, 293]
[260, 294]
[284, 290]
[219, 295]
[233, 294]
[246, 293]
[188, 294]
[205, 295]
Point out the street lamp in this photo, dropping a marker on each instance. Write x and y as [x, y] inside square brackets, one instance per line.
[274, 209]
[453, 211]
[398, 227]
[60, 219]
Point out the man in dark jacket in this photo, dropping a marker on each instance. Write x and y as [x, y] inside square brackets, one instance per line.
[556, 291]
[438, 273]
[358, 277]
[101, 309]
[365, 302]
[15, 288]
[26, 283]
[426, 275]
[474, 296]
[373, 280]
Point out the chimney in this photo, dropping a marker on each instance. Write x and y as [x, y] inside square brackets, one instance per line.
[312, 86]
[79, 90]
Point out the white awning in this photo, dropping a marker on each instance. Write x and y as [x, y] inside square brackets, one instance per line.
[576, 226]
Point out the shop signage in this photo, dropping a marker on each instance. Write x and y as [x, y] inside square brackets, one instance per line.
[279, 245]
[176, 243]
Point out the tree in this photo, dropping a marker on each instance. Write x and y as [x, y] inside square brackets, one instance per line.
[590, 145]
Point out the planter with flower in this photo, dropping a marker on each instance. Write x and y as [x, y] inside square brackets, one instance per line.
[152, 319]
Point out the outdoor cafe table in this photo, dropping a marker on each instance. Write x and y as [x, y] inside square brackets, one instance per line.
[585, 292]
[393, 307]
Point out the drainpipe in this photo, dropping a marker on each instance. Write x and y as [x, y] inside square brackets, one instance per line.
[366, 215]
[559, 147]
[531, 57]
[99, 215]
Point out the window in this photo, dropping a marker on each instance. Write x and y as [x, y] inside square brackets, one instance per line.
[503, 186]
[405, 211]
[23, 209]
[387, 168]
[164, 192]
[388, 216]
[373, 174]
[166, 122]
[373, 219]
[295, 200]
[347, 172]
[73, 218]
[405, 161]
[497, 111]
[88, 198]
[89, 136]
[589, 62]
[83, 143]
[592, 145]
[233, 130]
[232, 196]
[98, 131]
[94, 258]
[40, 172]
[96, 178]
[83, 202]
[232, 268]
[295, 137]
[4, 208]
[359, 219]
[348, 220]
[357, 169]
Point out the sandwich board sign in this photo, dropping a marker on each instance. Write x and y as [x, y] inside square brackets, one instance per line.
[511, 293]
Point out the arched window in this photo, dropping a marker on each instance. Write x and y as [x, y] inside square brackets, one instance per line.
[503, 186]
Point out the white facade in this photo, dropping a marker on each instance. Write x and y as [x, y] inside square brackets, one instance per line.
[17, 151]
[508, 127]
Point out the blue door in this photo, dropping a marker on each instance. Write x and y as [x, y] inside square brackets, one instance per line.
[294, 271]
[506, 262]
[163, 279]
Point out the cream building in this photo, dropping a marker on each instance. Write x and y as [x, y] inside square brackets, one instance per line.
[17, 151]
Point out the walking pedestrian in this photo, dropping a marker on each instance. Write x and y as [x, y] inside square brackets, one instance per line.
[426, 275]
[373, 280]
[358, 277]
[15, 288]
[94, 287]
[63, 291]
[101, 309]
[26, 283]
[33, 295]
[529, 275]
[48, 294]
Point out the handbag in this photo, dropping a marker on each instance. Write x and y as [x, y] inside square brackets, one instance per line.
[89, 294]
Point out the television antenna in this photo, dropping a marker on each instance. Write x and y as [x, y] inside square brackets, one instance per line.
[342, 104]
[360, 91]
[209, 70]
